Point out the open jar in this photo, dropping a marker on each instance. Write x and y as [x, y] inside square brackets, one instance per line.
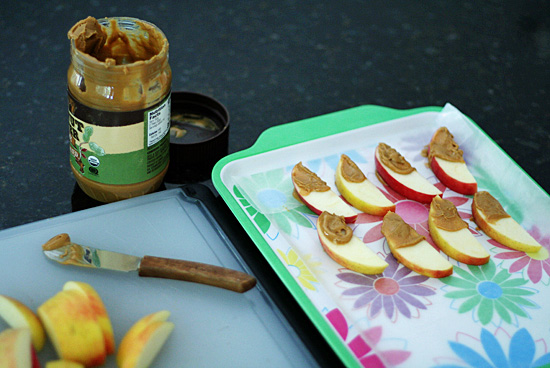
[119, 83]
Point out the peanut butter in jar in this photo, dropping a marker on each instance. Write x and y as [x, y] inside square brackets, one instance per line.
[119, 83]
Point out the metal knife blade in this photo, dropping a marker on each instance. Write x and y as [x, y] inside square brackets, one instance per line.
[61, 249]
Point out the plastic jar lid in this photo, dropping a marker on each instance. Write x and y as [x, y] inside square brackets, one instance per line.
[199, 137]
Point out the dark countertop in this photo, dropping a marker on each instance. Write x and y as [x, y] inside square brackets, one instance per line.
[274, 62]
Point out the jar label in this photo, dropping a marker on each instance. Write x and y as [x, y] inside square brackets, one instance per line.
[119, 147]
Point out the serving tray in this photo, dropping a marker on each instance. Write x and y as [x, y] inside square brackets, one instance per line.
[496, 313]
[213, 327]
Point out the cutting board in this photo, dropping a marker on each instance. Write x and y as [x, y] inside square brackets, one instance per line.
[214, 327]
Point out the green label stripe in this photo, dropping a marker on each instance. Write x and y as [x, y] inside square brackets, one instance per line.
[126, 168]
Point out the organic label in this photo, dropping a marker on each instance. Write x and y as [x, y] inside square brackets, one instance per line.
[109, 148]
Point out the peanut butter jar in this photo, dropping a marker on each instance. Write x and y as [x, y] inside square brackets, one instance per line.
[119, 83]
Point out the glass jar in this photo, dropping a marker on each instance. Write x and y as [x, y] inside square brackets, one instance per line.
[119, 83]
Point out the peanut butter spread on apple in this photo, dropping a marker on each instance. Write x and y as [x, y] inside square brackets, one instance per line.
[351, 172]
[443, 146]
[335, 228]
[398, 232]
[393, 159]
[445, 215]
[307, 180]
[489, 206]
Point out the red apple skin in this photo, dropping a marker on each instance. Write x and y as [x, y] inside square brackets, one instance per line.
[347, 219]
[314, 209]
[397, 186]
[452, 183]
[35, 362]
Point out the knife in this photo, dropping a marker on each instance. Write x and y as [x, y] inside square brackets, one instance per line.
[61, 249]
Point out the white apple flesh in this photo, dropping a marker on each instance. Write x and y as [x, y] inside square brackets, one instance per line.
[460, 245]
[143, 341]
[412, 186]
[423, 259]
[501, 227]
[454, 175]
[18, 315]
[16, 349]
[452, 234]
[508, 232]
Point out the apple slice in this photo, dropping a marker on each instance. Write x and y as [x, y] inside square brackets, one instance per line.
[71, 324]
[18, 315]
[412, 249]
[452, 235]
[143, 341]
[63, 364]
[397, 172]
[317, 195]
[448, 165]
[359, 191]
[348, 251]
[99, 308]
[499, 225]
[16, 350]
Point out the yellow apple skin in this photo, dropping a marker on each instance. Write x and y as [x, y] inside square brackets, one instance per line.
[99, 308]
[18, 315]
[507, 232]
[354, 255]
[71, 324]
[460, 245]
[63, 364]
[16, 348]
[143, 341]
[364, 196]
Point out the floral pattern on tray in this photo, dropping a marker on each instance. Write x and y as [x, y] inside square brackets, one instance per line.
[492, 315]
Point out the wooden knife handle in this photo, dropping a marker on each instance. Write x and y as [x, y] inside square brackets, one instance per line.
[196, 272]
